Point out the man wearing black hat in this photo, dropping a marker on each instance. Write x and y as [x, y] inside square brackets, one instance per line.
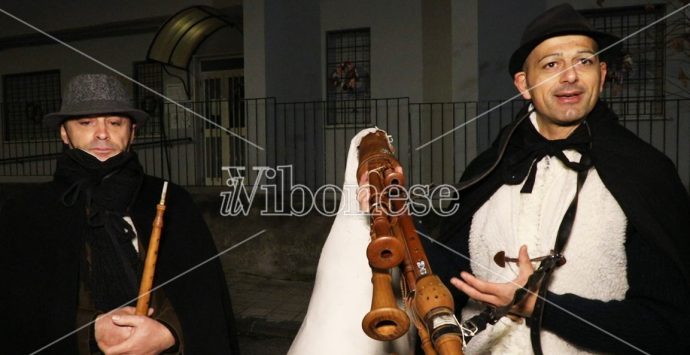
[603, 214]
[72, 250]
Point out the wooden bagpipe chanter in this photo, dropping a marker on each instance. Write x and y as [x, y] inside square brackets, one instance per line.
[395, 243]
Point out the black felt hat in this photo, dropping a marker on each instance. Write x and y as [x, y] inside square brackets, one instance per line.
[557, 21]
[95, 94]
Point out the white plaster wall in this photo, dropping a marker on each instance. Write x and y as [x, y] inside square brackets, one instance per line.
[293, 50]
[396, 42]
[465, 39]
[116, 52]
[254, 48]
[437, 50]
[54, 15]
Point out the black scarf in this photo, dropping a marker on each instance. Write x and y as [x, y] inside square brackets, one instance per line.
[528, 147]
[106, 190]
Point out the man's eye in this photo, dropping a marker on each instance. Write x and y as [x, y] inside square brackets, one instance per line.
[550, 65]
[84, 123]
[586, 61]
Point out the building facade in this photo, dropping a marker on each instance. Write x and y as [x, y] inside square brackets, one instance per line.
[290, 82]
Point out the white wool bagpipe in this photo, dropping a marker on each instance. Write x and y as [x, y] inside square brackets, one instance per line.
[342, 290]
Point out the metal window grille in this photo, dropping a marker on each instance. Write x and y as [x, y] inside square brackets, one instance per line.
[151, 75]
[28, 97]
[640, 74]
[348, 68]
[237, 120]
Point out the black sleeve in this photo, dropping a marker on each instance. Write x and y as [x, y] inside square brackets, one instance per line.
[34, 282]
[653, 316]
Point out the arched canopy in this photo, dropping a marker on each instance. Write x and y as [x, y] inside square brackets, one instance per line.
[180, 36]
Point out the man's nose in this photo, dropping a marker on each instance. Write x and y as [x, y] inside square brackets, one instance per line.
[569, 75]
[102, 130]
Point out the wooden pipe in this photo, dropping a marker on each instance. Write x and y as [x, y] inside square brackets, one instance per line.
[385, 321]
[144, 297]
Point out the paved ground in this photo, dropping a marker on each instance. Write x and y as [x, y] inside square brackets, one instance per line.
[263, 345]
[268, 312]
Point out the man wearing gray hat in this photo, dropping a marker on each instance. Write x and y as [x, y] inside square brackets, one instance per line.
[603, 215]
[72, 250]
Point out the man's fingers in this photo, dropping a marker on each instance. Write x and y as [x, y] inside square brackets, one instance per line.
[524, 264]
[480, 285]
[473, 292]
[121, 348]
[363, 191]
[363, 179]
[523, 258]
[363, 197]
[128, 320]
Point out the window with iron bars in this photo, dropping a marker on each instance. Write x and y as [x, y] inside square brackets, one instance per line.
[27, 98]
[151, 75]
[347, 71]
[635, 82]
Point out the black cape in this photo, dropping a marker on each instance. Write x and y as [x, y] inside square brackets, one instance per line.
[647, 187]
[40, 251]
[643, 181]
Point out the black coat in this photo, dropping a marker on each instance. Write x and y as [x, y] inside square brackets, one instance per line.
[40, 250]
[644, 182]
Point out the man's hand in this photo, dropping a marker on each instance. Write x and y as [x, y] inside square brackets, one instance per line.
[363, 193]
[363, 190]
[122, 332]
[501, 294]
[108, 334]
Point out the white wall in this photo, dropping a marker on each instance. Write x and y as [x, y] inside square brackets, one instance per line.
[437, 50]
[283, 50]
[254, 48]
[465, 34]
[118, 52]
[396, 42]
[50, 15]
[500, 29]
[411, 47]
[292, 50]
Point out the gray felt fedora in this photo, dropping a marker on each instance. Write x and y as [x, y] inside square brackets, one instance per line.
[557, 21]
[95, 94]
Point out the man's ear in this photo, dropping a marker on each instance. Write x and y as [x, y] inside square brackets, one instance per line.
[63, 135]
[132, 133]
[520, 82]
[603, 68]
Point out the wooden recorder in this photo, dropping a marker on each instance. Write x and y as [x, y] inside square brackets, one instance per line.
[395, 243]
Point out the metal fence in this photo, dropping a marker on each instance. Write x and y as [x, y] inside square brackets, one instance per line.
[435, 141]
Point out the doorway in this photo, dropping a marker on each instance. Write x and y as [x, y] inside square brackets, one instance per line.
[221, 91]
